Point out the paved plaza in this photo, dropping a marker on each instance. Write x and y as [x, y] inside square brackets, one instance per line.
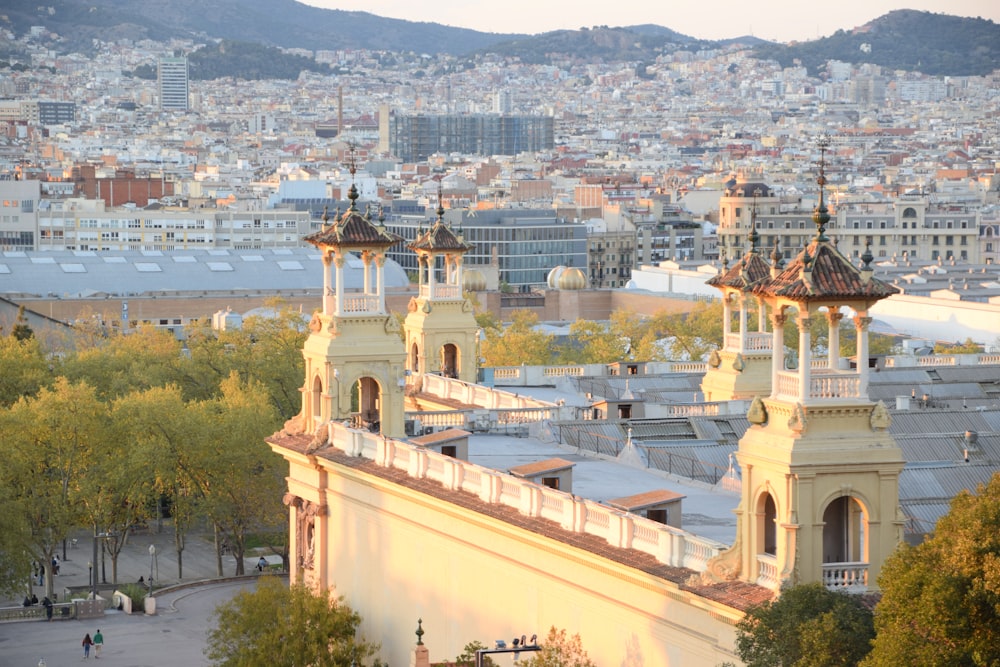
[176, 635]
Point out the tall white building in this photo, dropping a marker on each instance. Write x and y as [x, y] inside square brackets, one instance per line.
[172, 79]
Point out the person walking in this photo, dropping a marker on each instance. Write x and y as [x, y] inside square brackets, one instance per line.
[47, 603]
[87, 643]
[98, 644]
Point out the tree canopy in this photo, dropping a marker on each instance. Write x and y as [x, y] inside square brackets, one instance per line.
[559, 650]
[286, 626]
[941, 599]
[808, 626]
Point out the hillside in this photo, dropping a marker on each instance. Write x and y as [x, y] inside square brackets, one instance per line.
[284, 23]
[932, 43]
[936, 44]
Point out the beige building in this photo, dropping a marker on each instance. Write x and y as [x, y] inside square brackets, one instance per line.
[480, 552]
[907, 227]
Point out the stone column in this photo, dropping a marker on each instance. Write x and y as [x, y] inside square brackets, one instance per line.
[380, 280]
[778, 348]
[861, 323]
[327, 284]
[834, 317]
[805, 356]
[339, 262]
[743, 323]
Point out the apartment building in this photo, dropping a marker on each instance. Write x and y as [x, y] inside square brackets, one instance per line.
[909, 226]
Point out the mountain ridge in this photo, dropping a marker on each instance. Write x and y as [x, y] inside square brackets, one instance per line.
[937, 44]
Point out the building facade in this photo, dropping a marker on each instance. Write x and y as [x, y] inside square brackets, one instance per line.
[172, 83]
[417, 137]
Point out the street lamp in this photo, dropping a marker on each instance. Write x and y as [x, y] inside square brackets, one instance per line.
[92, 578]
[152, 554]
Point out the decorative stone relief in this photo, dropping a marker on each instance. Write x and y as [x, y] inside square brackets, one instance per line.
[391, 325]
[797, 422]
[757, 414]
[714, 360]
[412, 305]
[738, 363]
[315, 324]
[880, 419]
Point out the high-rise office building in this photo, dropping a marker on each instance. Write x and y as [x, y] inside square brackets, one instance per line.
[173, 84]
[415, 137]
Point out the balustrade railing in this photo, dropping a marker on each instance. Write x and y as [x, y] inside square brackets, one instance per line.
[767, 571]
[360, 304]
[441, 291]
[821, 385]
[850, 577]
[670, 546]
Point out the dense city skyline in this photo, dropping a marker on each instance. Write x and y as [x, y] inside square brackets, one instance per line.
[777, 20]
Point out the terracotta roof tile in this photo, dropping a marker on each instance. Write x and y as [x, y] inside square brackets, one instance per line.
[830, 275]
[439, 238]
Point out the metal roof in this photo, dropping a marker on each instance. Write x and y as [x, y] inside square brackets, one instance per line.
[75, 274]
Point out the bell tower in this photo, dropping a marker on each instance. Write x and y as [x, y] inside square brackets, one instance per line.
[820, 471]
[440, 327]
[741, 369]
[354, 358]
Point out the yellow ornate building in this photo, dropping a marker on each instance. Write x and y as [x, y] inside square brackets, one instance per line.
[406, 532]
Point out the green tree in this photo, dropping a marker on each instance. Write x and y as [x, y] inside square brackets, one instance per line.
[808, 626]
[286, 626]
[167, 434]
[21, 329]
[520, 343]
[25, 369]
[242, 478]
[593, 343]
[559, 650]
[968, 347]
[941, 599]
[467, 658]
[49, 442]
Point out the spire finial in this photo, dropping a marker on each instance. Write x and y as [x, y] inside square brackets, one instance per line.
[440, 209]
[867, 257]
[420, 632]
[777, 259]
[753, 236]
[821, 216]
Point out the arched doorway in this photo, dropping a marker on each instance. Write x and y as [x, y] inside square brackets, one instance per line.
[449, 360]
[415, 358]
[768, 528]
[317, 400]
[845, 532]
[368, 399]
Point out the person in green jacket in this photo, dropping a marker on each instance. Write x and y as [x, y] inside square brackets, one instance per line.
[98, 644]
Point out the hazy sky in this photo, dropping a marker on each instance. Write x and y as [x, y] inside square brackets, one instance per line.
[778, 20]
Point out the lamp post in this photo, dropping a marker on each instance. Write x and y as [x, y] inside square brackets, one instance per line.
[92, 578]
[152, 554]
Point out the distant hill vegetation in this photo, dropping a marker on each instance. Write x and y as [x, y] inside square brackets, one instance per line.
[936, 44]
[241, 60]
[932, 43]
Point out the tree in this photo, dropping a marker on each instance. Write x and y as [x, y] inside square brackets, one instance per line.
[808, 626]
[286, 626]
[467, 658]
[968, 347]
[520, 343]
[558, 650]
[941, 599]
[25, 369]
[21, 329]
[166, 434]
[49, 442]
[241, 477]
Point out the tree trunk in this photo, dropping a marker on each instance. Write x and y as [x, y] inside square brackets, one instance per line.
[218, 550]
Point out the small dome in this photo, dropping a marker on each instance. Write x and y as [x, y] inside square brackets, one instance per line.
[553, 278]
[572, 279]
[473, 280]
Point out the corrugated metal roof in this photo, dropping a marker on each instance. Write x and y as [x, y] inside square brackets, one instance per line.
[131, 273]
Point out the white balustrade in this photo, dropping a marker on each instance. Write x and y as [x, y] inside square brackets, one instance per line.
[441, 292]
[732, 341]
[767, 571]
[758, 341]
[849, 577]
[360, 304]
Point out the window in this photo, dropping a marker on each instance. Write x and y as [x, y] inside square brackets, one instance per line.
[949, 240]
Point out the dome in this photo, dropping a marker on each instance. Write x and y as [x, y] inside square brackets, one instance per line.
[572, 279]
[553, 278]
[473, 280]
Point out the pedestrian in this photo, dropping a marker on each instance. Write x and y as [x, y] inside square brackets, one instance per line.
[27, 601]
[261, 564]
[87, 643]
[34, 599]
[41, 574]
[55, 565]
[47, 603]
[98, 643]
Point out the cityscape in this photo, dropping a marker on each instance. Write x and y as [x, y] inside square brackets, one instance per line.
[410, 211]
